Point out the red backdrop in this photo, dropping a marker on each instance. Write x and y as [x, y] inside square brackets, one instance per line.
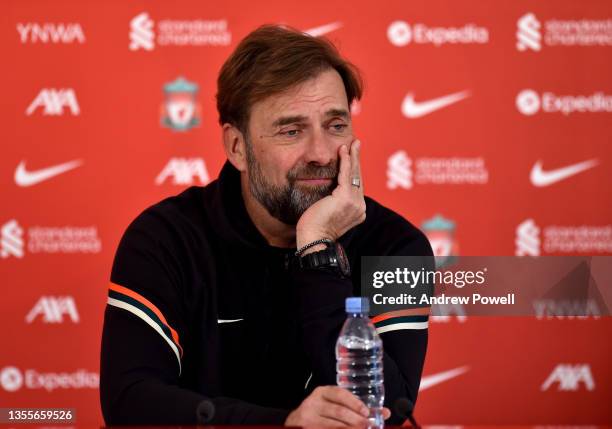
[485, 123]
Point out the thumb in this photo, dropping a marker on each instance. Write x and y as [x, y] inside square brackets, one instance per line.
[386, 413]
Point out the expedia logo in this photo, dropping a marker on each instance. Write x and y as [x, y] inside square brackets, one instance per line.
[13, 379]
[529, 102]
[400, 33]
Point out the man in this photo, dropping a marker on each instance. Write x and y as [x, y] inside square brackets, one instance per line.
[212, 317]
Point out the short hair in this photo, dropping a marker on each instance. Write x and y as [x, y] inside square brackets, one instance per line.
[271, 60]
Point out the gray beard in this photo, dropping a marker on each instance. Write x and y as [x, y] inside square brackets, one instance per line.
[288, 203]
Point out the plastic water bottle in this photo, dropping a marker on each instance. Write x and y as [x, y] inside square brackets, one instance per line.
[359, 359]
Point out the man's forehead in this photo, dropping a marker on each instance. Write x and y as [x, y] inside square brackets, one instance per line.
[323, 95]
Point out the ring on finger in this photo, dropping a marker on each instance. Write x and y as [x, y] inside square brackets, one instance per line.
[356, 181]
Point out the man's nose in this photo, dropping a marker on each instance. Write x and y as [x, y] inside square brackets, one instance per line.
[320, 149]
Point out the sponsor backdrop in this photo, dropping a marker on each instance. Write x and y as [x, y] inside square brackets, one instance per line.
[489, 126]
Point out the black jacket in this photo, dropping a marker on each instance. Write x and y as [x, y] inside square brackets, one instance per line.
[201, 308]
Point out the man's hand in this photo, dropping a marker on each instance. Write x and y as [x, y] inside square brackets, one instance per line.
[331, 406]
[332, 216]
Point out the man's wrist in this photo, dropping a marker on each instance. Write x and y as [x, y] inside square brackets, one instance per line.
[322, 254]
[303, 238]
[318, 244]
[315, 248]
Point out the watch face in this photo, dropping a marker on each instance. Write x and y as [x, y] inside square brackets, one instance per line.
[343, 262]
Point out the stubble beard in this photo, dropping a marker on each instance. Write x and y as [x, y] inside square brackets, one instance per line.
[287, 203]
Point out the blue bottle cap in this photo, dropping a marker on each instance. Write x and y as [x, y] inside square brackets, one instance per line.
[357, 304]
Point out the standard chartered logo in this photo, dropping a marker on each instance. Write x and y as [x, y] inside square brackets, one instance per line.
[528, 34]
[399, 33]
[11, 241]
[405, 172]
[528, 102]
[528, 239]
[399, 172]
[533, 34]
[11, 379]
[141, 33]
[147, 34]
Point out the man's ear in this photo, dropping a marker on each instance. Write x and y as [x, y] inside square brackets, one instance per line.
[235, 146]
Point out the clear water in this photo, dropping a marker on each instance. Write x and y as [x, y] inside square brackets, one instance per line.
[359, 368]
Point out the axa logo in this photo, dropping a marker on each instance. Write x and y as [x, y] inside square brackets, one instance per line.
[11, 240]
[32, 32]
[54, 102]
[53, 309]
[528, 35]
[569, 378]
[184, 171]
[142, 35]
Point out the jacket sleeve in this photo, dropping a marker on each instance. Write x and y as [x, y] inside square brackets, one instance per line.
[321, 297]
[142, 340]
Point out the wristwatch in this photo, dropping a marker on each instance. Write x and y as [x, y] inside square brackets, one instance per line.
[332, 258]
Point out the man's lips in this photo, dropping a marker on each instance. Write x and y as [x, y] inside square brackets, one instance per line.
[315, 180]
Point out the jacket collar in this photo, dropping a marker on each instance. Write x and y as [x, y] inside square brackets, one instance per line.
[237, 224]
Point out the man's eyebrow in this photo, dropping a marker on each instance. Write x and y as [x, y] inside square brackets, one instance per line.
[337, 112]
[285, 120]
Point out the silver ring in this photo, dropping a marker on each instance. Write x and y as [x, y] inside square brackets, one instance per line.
[356, 181]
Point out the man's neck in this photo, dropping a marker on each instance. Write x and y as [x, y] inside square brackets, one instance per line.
[276, 233]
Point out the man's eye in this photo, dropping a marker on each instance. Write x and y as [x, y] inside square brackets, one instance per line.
[339, 127]
[290, 133]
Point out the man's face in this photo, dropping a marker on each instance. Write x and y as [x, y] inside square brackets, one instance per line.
[293, 142]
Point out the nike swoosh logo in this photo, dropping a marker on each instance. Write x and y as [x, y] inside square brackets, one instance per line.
[412, 109]
[441, 377]
[323, 29]
[28, 178]
[542, 178]
[229, 320]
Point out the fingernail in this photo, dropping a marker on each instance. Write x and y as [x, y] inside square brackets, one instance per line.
[365, 412]
[357, 144]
